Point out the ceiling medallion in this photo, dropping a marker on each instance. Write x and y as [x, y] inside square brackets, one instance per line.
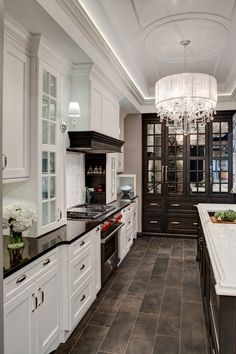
[185, 99]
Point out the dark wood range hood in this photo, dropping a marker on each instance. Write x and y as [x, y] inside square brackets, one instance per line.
[93, 142]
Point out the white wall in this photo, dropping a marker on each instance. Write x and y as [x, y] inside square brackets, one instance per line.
[75, 179]
[133, 154]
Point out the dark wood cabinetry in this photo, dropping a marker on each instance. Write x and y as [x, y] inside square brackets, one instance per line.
[220, 311]
[181, 171]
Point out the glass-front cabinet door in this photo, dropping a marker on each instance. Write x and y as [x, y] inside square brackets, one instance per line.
[174, 170]
[154, 159]
[197, 163]
[48, 150]
[220, 157]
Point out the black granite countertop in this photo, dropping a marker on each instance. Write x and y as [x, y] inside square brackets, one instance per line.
[34, 248]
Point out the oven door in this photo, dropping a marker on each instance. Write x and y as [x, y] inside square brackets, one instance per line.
[109, 252]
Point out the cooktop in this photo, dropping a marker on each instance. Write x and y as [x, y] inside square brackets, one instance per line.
[91, 211]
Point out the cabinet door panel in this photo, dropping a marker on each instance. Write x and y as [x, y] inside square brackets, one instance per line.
[96, 110]
[20, 323]
[16, 113]
[48, 310]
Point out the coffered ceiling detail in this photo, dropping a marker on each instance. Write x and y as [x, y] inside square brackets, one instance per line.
[145, 37]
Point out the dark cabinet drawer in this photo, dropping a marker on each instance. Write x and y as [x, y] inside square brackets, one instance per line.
[152, 222]
[154, 204]
[182, 205]
[184, 224]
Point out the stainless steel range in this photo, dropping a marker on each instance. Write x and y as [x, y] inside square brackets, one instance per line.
[91, 211]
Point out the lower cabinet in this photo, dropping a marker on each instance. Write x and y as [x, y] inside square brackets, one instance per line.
[126, 233]
[31, 317]
[219, 310]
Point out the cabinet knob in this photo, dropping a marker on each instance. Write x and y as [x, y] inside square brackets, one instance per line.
[98, 228]
[21, 278]
[82, 298]
[195, 223]
[82, 267]
[82, 243]
[47, 261]
[35, 302]
[4, 161]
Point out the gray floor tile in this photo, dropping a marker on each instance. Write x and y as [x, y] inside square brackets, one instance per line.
[140, 346]
[174, 273]
[90, 340]
[166, 345]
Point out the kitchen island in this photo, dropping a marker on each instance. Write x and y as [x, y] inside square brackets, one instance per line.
[217, 264]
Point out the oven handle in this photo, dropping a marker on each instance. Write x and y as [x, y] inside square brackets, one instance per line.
[105, 240]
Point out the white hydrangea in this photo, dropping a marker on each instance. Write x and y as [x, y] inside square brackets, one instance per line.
[18, 217]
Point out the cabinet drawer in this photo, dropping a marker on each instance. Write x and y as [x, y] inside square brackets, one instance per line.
[182, 205]
[152, 222]
[129, 222]
[81, 266]
[80, 245]
[185, 224]
[154, 204]
[129, 239]
[81, 300]
[17, 281]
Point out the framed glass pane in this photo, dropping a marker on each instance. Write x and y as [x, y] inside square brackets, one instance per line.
[224, 188]
[150, 129]
[52, 187]
[158, 165]
[150, 151]
[52, 133]
[45, 212]
[45, 107]
[179, 165]
[53, 86]
[157, 128]
[224, 127]
[224, 177]
[158, 140]
[44, 162]
[52, 112]
[157, 151]
[158, 176]
[150, 187]
[52, 210]
[150, 177]
[45, 186]
[45, 131]
[150, 165]
[171, 151]
[201, 139]
[179, 151]
[150, 140]
[193, 139]
[216, 151]
[215, 187]
[216, 177]
[201, 129]
[216, 165]
[216, 127]
[45, 82]
[52, 162]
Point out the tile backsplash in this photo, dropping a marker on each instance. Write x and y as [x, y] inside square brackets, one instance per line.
[75, 179]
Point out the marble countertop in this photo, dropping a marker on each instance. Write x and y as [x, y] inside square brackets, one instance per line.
[35, 247]
[221, 245]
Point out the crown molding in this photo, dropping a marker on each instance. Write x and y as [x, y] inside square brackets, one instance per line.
[17, 35]
[84, 24]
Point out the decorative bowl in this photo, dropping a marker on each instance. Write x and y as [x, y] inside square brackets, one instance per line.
[125, 189]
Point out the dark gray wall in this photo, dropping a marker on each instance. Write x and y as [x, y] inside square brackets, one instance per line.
[1, 250]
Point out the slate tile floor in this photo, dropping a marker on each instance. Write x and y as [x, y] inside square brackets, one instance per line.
[150, 305]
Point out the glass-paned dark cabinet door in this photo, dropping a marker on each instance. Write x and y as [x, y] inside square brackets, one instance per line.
[175, 162]
[153, 159]
[220, 157]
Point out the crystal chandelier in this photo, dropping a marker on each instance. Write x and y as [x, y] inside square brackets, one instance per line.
[185, 99]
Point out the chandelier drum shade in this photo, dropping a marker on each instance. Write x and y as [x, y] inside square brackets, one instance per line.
[186, 99]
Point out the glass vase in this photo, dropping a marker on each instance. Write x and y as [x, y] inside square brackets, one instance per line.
[15, 240]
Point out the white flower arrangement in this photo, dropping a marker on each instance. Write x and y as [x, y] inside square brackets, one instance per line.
[18, 217]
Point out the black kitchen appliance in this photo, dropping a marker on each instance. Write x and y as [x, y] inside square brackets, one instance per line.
[85, 211]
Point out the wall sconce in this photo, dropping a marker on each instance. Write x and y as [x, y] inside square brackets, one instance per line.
[73, 112]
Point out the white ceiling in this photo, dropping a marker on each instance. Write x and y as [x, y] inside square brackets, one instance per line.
[145, 36]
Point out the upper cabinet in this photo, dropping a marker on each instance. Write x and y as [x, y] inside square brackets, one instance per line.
[98, 101]
[16, 100]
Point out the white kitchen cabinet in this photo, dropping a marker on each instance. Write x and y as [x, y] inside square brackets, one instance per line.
[98, 100]
[50, 185]
[135, 217]
[16, 101]
[20, 323]
[111, 172]
[125, 240]
[31, 316]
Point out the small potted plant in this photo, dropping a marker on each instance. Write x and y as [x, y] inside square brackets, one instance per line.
[17, 218]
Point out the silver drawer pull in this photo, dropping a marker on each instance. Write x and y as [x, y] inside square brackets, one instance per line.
[42, 296]
[20, 279]
[195, 223]
[82, 298]
[47, 261]
[82, 243]
[82, 267]
[98, 228]
[153, 221]
[153, 204]
[35, 302]
[175, 205]
[129, 222]
[128, 239]
[175, 222]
